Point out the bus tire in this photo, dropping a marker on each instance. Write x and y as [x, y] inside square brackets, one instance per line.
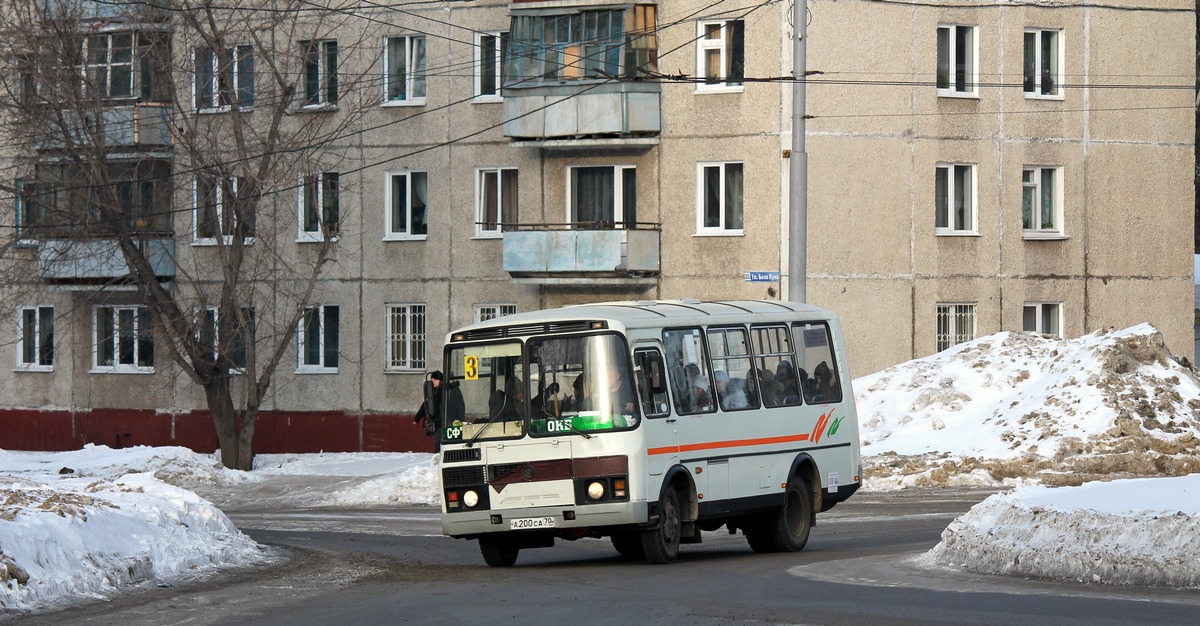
[661, 544]
[498, 553]
[786, 530]
[629, 545]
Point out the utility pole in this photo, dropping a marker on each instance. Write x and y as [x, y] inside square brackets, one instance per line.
[798, 162]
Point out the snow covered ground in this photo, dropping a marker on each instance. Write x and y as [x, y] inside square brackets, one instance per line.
[1009, 410]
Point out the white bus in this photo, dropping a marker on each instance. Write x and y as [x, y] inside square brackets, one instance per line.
[646, 422]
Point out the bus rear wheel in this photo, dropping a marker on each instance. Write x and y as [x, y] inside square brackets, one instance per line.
[661, 544]
[787, 529]
[498, 553]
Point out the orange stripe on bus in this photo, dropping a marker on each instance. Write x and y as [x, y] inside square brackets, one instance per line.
[737, 443]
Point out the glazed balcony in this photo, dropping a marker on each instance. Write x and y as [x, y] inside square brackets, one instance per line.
[583, 254]
[91, 261]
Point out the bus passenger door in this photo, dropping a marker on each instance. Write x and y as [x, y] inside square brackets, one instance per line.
[661, 436]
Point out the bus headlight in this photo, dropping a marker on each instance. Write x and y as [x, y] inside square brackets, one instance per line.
[470, 499]
[595, 490]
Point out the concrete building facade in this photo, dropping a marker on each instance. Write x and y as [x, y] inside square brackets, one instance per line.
[974, 167]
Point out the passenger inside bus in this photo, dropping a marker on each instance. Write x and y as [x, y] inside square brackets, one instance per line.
[547, 402]
[698, 398]
[788, 385]
[731, 398]
[575, 403]
[620, 393]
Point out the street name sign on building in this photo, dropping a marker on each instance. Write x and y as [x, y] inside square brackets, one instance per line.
[761, 277]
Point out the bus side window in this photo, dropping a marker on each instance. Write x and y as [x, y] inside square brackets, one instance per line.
[733, 377]
[774, 361]
[652, 382]
[687, 365]
[823, 385]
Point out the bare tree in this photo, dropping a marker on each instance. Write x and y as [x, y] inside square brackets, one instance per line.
[136, 126]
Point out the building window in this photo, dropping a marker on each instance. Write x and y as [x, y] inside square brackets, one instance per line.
[404, 70]
[241, 330]
[603, 197]
[213, 211]
[489, 63]
[956, 64]
[405, 337]
[605, 43]
[319, 212]
[1043, 63]
[485, 312]
[30, 210]
[124, 340]
[35, 339]
[719, 201]
[222, 79]
[955, 324]
[495, 200]
[405, 204]
[955, 199]
[317, 340]
[1043, 317]
[721, 55]
[1040, 201]
[320, 73]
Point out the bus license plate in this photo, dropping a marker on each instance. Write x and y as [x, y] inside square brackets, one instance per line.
[531, 522]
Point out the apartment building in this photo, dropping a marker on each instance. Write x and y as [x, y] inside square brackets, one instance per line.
[974, 167]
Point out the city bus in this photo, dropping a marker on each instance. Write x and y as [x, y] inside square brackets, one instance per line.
[646, 422]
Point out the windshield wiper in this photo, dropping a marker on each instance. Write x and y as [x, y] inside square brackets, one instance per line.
[487, 422]
[567, 422]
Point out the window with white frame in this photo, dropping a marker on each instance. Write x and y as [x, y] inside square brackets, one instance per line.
[721, 55]
[495, 200]
[1043, 317]
[1041, 206]
[405, 337]
[1043, 63]
[406, 206]
[320, 73]
[213, 215]
[719, 198]
[231, 353]
[489, 65]
[317, 340]
[319, 207]
[485, 312]
[35, 339]
[404, 70]
[108, 64]
[123, 341]
[957, 68]
[955, 324]
[602, 196]
[225, 78]
[954, 197]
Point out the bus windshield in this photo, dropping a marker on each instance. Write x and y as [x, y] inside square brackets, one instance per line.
[555, 386]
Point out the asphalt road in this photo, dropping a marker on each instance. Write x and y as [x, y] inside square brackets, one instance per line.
[392, 566]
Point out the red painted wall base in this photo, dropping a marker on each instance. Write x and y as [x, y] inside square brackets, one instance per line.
[274, 432]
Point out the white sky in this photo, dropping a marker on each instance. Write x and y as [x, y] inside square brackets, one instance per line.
[131, 517]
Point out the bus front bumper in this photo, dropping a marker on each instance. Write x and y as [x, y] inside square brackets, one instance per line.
[468, 524]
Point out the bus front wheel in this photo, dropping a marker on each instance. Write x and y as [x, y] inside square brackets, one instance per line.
[498, 553]
[661, 544]
[785, 530]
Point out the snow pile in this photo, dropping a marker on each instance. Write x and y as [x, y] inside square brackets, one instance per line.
[80, 537]
[1130, 532]
[1012, 408]
[94, 522]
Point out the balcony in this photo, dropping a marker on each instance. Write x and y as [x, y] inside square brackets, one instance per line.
[100, 260]
[129, 126]
[576, 254]
[581, 114]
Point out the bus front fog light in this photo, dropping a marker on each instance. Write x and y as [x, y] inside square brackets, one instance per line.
[470, 498]
[595, 490]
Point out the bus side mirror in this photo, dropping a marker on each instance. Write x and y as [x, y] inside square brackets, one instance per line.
[431, 404]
